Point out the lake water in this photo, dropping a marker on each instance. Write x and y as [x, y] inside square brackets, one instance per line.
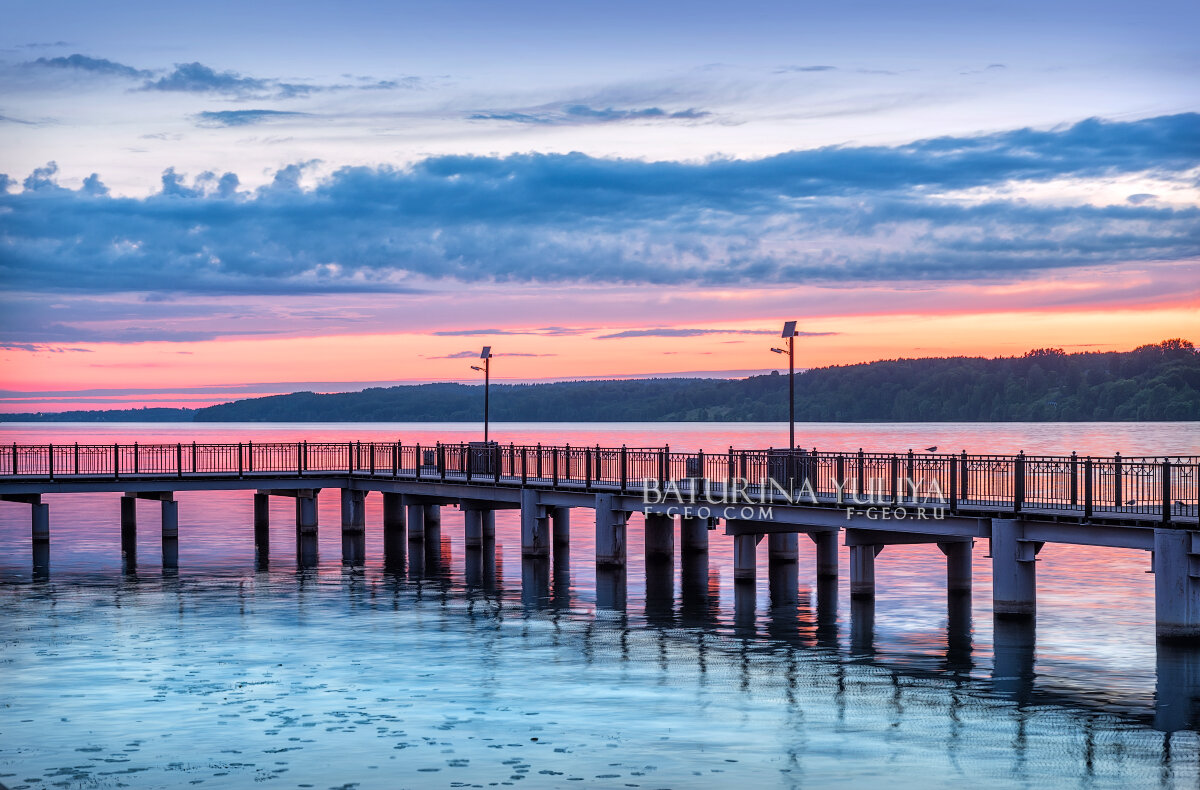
[477, 669]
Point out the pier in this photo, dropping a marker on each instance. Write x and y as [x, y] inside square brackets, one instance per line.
[796, 500]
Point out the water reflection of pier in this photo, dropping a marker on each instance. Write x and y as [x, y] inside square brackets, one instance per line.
[803, 618]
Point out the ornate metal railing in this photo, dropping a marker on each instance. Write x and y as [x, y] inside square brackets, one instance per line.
[1162, 488]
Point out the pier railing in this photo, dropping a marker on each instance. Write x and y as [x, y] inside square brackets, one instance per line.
[1155, 488]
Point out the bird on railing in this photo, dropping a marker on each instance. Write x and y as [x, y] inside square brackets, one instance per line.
[1131, 502]
[931, 449]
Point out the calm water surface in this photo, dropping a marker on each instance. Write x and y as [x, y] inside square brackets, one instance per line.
[452, 668]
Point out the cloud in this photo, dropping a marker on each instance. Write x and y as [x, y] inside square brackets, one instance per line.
[198, 78]
[216, 118]
[459, 355]
[677, 332]
[552, 331]
[828, 215]
[802, 69]
[580, 114]
[92, 65]
[10, 119]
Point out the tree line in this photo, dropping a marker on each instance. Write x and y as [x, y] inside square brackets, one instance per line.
[1153, 382]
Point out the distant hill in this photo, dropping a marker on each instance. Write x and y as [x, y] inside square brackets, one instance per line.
[1155, 382]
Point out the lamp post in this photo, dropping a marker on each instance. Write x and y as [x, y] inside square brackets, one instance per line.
[486, 356]
[789, 332]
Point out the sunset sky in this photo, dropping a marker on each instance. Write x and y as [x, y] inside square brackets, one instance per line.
[211, 201]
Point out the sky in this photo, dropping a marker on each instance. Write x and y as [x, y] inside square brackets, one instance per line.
[201, 202]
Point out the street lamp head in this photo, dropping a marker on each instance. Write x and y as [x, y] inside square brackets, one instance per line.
[779, 351]
[476, 367]
[789, 329]
[486, 353]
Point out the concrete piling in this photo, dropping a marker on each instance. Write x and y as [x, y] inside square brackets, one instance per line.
[745, 548]
[1014, 574]
[535, 525]
[610, 532]
[693, 535]
[660, 537]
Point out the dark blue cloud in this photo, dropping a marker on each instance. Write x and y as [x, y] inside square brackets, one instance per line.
[93, 65]
[803, 69]
[823, 215]
[244, 117]
[198, 78]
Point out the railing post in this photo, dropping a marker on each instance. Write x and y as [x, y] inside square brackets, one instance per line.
[467, 466]
[1019, 482]
[299, 461]
[895, 475]
[250, 456]
[953, 482]
[1074, 480]
[240, 460]
[1118, 494]
[440, 458]
[862, 472]
[417, 462]
[395, 460]
[840, 471]
[909, 482]
[1166, 490]
[524, 465]
[136, 460]
[372, 454]
[599, 460]
[964, 477]
[496, 458]
[195, 455]
[1087, 487]
[178, 458]
[14, 459]
[538, 462]
[350, 458]
[554, 464]
[732, 470]
[117, 461]
[50, 466]
[587, 463]
[624, 467]
[304, 444]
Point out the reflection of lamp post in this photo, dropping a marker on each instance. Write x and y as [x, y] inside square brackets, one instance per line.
[486, 356]
[789, 331]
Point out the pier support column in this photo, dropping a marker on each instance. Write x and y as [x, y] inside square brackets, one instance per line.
[489, 526]
[660, 537]
[170, 533]
[472, 528]
[41, 537]
[354, 510]
[306, 530]
[862, 570]
[560, 525]
[783, 547]
[744, 550]
[1014, 575]
[433, 524]
[827, 553]
[262, 524]
[610, 532]
[958, 565]
[1177, 585]
[129, 527]
[693, 535]
[535, 525]
[416, 522]
[354, 526]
